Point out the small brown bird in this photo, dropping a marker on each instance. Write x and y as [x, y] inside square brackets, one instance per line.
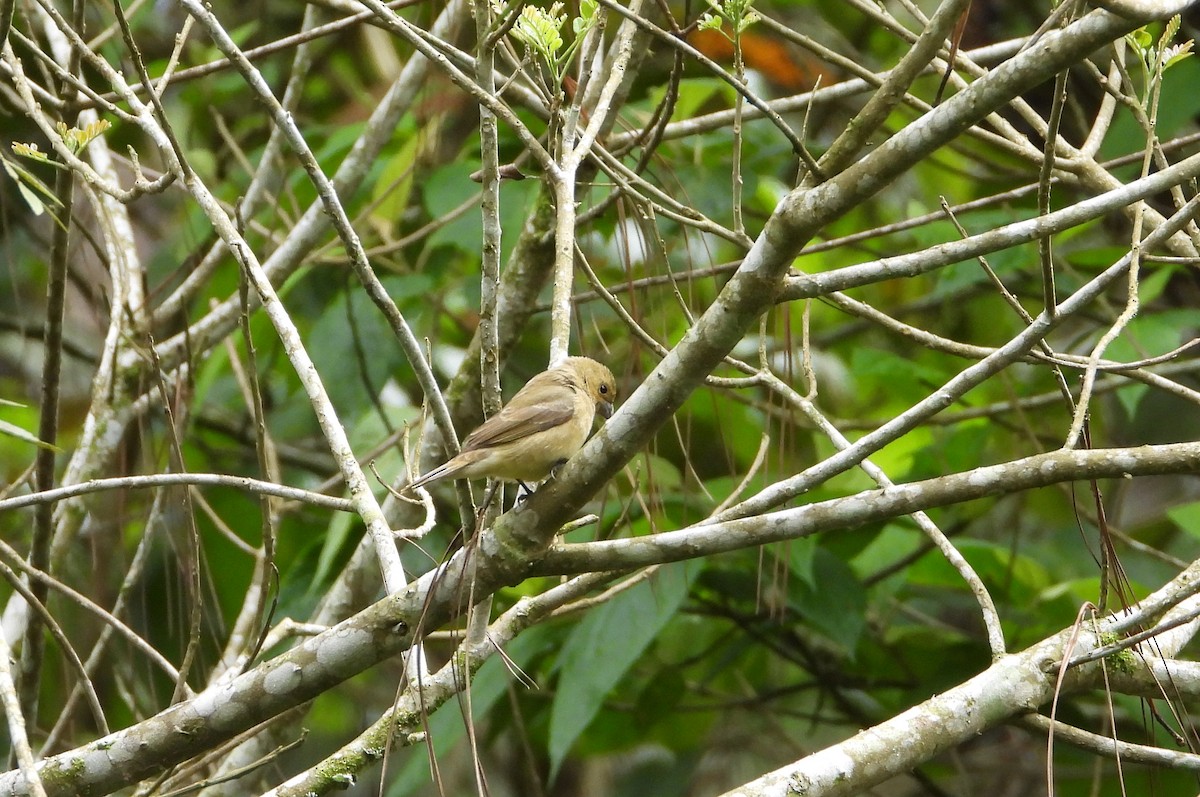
[539, 429]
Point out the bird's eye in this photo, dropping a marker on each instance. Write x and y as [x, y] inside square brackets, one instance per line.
[603, 389]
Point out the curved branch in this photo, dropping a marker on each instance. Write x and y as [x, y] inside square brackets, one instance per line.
[173, 479]
[1012, 686]
[868, 507]
[807, 286]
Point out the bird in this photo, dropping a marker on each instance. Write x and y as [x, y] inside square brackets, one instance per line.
[540, 428]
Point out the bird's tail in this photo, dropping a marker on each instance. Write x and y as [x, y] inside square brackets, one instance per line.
[440, 472]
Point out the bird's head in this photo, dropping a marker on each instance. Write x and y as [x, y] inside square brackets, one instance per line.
[597, 380]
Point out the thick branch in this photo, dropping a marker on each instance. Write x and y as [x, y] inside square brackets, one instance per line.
[1014, 685]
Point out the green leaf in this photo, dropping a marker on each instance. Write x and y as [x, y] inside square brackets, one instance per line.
[899, 376]
[1130, 397]
[395, 183]
[835, 603]
[1186, 517]
[1153, 283]
[1140, 38]
[1016, 577]
[694, 93]
[444, 192]
[35, 204]
[1151, 335]
[894, 542]
[802, 557]
[334, 351]
[602, 649]
[12, 430]
[1180, 101]
[30, 186]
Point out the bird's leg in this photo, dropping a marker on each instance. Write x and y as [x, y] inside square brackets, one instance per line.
[524, 493]
[487, 499]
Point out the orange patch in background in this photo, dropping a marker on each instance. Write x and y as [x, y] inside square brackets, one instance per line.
[783, 66]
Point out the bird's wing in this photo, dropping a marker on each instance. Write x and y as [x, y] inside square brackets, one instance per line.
[516, 423]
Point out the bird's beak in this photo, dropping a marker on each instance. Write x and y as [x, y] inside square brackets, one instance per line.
[605, 408]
